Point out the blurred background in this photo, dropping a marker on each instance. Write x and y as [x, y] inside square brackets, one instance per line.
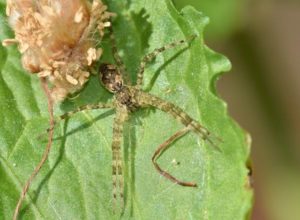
[262, 40]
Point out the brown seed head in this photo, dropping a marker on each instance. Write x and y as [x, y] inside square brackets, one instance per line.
[57, 39]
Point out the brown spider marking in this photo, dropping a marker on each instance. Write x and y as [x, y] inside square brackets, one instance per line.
[127, 99]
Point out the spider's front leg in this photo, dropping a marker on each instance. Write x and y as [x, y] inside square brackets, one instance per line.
[149, 57]
[117, 57]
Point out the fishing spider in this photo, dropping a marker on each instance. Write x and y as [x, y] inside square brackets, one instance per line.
[129, 98]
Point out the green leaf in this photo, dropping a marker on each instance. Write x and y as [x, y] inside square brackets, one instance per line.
[75, 182]
[225, 15]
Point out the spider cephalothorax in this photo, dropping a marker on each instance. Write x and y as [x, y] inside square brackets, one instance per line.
[111, 78]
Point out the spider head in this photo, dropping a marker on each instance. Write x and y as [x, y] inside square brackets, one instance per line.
[110, 77]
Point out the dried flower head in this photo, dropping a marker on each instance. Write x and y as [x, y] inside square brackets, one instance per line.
[57, 39]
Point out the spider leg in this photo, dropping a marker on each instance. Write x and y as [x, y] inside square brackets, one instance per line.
[162, 148]
[153, 54]
[117, 57]
[147, 99]
[85, 107]
[117, 166]
[79, 109]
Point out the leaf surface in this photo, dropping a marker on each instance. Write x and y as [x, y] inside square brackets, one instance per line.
[225, 15]
[75, 183]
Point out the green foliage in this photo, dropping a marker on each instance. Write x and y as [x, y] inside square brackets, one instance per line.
[75, 183]
[225, 15]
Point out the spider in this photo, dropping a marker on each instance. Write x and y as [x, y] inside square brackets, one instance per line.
[129, 98]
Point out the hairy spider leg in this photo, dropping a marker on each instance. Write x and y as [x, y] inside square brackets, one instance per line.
[117, 57]
[80, 109]
[117, 171]
[149, 57]
[84, 108]
[190, 124]
[175, 111]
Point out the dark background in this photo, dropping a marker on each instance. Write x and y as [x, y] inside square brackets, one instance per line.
[262, 40]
